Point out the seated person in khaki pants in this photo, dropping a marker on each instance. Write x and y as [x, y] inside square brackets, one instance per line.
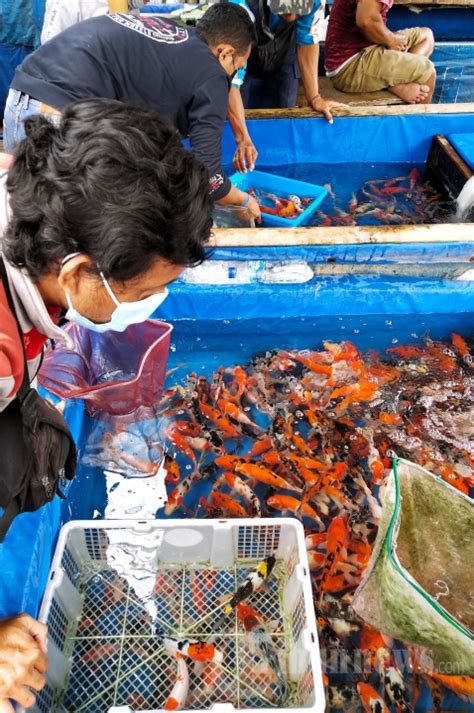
[362, 55]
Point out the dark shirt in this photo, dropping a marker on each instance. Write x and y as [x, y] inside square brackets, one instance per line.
[150, 63]
[344, 39]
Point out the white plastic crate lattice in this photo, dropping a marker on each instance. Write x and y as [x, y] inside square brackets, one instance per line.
[106, 622]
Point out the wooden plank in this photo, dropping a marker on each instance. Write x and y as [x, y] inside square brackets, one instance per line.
[274, 237]
[396, 110]
[382, 98]
[435, 270]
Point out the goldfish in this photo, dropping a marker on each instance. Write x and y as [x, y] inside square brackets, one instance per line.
[260, 641]
[177, 698]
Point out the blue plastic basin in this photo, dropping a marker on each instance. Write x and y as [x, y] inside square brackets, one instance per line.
[283, 187]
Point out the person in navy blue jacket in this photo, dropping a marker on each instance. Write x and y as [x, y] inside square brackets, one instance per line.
[182, 72]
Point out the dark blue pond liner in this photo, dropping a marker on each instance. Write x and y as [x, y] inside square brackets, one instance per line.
[454, 64]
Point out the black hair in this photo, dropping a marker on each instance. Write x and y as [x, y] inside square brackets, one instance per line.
[228, 23]
[112, 181]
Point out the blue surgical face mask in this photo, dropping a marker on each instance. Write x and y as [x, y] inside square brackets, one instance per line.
[124, 314]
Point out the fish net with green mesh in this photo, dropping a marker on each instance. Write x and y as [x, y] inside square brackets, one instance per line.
[419, 586]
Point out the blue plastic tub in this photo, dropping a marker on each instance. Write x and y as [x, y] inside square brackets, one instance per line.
[282, 187]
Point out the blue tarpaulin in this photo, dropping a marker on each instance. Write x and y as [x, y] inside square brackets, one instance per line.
[375, 311]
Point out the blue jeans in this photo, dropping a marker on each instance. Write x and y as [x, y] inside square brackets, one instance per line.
[18, 108]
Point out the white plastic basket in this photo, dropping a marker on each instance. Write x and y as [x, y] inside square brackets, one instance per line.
[110, 579]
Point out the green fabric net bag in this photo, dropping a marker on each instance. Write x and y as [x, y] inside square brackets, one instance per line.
[419, 586]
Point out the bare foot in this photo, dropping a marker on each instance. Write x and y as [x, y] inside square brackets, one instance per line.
[411, 93]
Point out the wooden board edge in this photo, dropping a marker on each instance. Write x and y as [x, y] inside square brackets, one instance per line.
[275, 237]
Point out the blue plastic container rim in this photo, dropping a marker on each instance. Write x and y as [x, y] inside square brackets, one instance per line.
[284, 187]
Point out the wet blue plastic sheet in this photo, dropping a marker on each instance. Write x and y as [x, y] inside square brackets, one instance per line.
[464, 145]
[374, 139]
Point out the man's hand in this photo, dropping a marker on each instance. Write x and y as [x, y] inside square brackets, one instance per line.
[324, 106]
[245, 156]
[397, 42]
[254, 208]
[23, 660]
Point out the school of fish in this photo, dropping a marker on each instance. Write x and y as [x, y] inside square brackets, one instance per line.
[312, 434]
[405, 200]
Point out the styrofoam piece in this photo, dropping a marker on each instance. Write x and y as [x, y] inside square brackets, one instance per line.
[115, 587]
[282, 187]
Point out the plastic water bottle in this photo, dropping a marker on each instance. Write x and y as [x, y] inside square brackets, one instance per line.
[223, 272]
[289, 271]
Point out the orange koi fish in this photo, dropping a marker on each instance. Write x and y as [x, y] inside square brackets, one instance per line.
[192, 649]
[173, 473]
[230, 506]
[176, 497]
[229, 462]
[232, 410]
[290, 504]
[238, 486]
[463, 686]
[306, 462]
[371, 700]
[460, 345]
[391, 419]
[261, 445]
[337, 540]
[315, 560]
[453, 478]
[310, 363]
[226, 426]
[179, 441]
[264, 475]
[353, 393]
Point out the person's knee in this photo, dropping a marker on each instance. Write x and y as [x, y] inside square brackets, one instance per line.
[428, 37]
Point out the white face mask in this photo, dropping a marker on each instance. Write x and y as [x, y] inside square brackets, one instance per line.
[125, 313]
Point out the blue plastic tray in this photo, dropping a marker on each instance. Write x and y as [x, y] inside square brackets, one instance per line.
[282, 187]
